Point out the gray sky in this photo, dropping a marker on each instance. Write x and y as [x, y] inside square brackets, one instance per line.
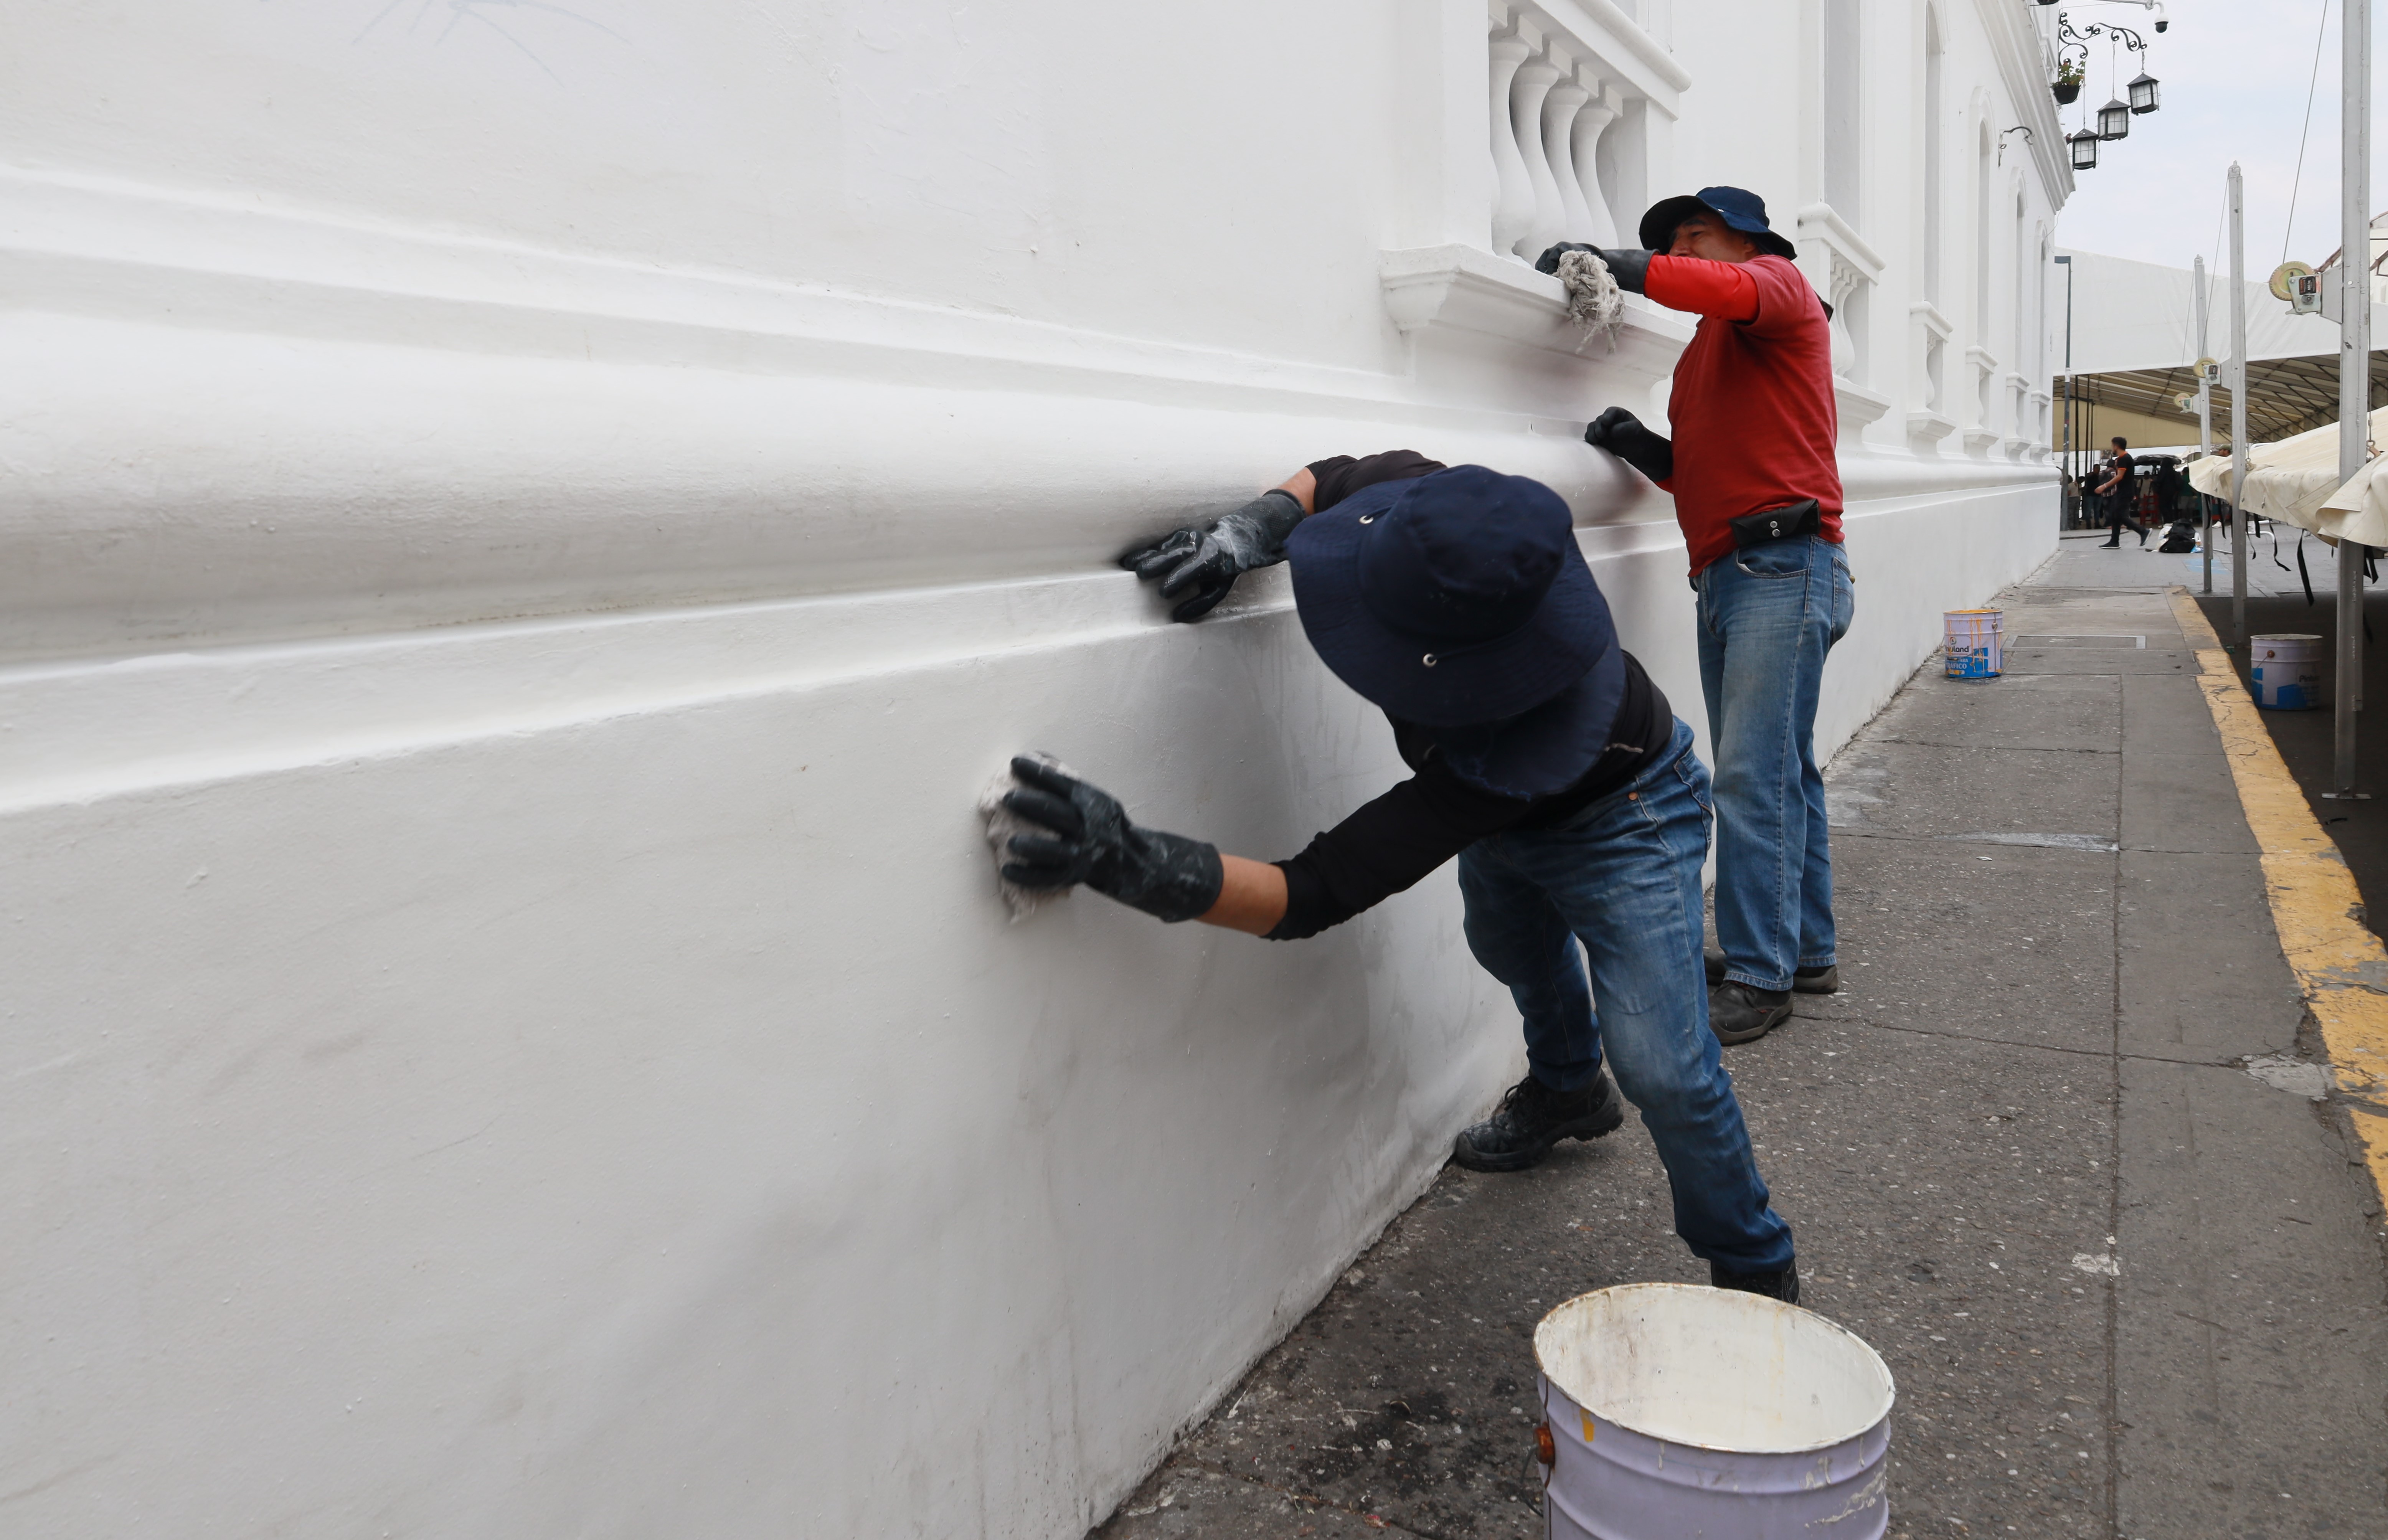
[2235, 76]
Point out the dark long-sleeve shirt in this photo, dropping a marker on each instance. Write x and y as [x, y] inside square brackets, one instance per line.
[1392, 843]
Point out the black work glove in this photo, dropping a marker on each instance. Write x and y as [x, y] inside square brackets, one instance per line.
[1203, 560]
[1622, 434]
[1167, 876]
[1628, 265]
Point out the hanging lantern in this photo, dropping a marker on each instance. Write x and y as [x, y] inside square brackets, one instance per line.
[2143, 93]
[2114, 121]
[2085, 150]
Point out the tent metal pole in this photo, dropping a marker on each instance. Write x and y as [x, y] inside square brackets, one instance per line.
[2205, 427]
[2238, 409]
[2354, 369]
[2072, 389]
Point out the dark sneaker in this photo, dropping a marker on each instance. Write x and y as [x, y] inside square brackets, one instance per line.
[1532, 1118]
[1784, 1285]
[1825, 980]
[1739, 1013]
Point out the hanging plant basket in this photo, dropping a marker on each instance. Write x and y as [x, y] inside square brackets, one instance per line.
[2067, 92]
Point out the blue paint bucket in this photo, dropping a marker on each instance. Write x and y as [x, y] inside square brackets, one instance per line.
[2285, 671]
[1972, 650]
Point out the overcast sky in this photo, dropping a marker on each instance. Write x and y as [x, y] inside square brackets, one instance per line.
[2235, 75]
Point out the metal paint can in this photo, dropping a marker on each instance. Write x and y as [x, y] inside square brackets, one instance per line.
[2285, 671]
[1674, 1410]
[1972, 647]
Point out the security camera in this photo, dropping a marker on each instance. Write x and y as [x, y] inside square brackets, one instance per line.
[2162, 22]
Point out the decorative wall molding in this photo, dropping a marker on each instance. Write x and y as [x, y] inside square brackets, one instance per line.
[1459, 288]
[1858, 409]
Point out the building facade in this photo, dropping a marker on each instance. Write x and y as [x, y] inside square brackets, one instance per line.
[525, 529]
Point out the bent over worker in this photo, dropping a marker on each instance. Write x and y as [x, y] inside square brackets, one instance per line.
[1456, 600]
[1757, 492]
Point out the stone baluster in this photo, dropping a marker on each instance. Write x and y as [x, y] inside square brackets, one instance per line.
[1845, 279]
[1513, 209]
[1527, 95]
[1584, 156]
[1559, 110]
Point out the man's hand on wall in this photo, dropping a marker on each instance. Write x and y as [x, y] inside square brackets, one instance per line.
[1622, 434]
[1202, 562]
[1168, 876]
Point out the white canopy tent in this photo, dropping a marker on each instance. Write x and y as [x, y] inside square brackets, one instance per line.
[2296, 481]
[2129, 316]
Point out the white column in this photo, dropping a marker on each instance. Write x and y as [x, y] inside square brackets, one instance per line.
[1583, 153]
[1513, 209]
[1559, 111]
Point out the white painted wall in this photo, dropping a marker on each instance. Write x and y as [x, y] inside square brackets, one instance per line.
[522, 532]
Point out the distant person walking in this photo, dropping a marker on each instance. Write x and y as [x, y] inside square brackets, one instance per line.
[2121, 494]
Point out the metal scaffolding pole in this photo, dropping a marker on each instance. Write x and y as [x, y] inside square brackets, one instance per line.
[2205, 427]
[2238, 410]
[2354, 368]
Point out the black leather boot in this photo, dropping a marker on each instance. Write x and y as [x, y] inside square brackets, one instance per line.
[1532, 1118]
[1743, 1013]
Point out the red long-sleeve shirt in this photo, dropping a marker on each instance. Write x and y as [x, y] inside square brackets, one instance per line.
[1752, 412]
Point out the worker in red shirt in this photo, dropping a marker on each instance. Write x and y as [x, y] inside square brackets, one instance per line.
[1757, 492]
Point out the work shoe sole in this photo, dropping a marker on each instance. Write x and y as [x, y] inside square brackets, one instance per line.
[1605, 1121]
[1828, 981]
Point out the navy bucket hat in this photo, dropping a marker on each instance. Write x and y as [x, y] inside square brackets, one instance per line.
[1742, 210]
[1453, 600]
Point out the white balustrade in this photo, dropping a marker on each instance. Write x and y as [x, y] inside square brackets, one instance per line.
[1845, 271]
[1928, 412]
[1556, 88]
[1982, 366]
[1578, 127]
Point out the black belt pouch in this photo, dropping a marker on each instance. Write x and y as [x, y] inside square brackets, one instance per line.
[1802, 518]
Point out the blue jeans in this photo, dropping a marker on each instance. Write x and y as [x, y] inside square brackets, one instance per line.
[1622, 877]
[1768, 615]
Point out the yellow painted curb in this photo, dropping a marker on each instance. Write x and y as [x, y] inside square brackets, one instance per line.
[2341, 968]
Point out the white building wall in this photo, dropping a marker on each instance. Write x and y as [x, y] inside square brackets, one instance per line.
[522, 532]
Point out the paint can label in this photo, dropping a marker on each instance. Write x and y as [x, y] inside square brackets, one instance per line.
[1964, 661]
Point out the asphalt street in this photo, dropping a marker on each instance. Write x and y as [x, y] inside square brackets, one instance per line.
[2059, 1151]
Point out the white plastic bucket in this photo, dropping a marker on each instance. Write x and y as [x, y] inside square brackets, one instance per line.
[2286, 671]
[1676, 1411]
[1972, 649]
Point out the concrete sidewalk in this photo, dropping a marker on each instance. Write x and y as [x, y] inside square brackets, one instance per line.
[2054, 1150]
